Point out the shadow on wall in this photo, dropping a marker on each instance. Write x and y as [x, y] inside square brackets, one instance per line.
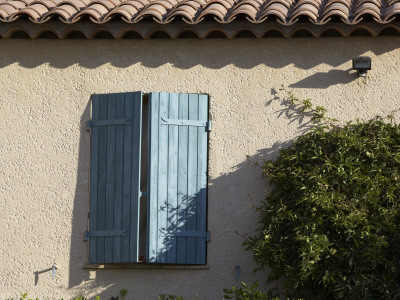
[304, 53]
[242, 187]
[322, 80]
[178, 218]
[78, 252]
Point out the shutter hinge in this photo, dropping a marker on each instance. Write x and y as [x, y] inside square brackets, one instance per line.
[208, 126]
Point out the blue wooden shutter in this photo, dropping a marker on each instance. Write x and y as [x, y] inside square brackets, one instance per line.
[177, 181]
[114, 177]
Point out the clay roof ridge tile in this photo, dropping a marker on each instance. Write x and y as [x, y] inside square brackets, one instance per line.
[157, 9]
[127, 10]
[187, 10]
[218, 8]
[10, 8]
[48, 3]
[261, 9]
[335, 8]
[63, 14]
[384, 8]
[392, 9]
[230, 14]
[169, 9]
[333, 2]
[130, 3]
[31, 13]
[116, 2]
[106, 3]
[308, 10]
[138, 5]
[6, 11]
[96, 13]
[392, 12]
[290, 19]
[27, 2]
[277, 9]
[250, 8]
[193, 11]
[77, 4]
[367, 7]
[197, 18]
[352, 11]
[321, 12]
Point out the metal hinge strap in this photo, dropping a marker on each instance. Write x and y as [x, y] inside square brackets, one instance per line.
[183, 122]
[108, 122]
[199, 234]
[123, 232]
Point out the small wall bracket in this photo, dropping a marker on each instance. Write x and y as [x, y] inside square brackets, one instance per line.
[53, 270]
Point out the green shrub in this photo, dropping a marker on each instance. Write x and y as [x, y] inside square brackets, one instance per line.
[331, 225]
[169, 297]
[245, 292]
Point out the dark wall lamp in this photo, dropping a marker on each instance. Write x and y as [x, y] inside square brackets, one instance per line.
[362, 64]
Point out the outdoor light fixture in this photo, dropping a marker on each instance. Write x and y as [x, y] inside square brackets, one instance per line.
[362, 64]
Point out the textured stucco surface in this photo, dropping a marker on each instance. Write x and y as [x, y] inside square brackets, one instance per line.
[44, 105]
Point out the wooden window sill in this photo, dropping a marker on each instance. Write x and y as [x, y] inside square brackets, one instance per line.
[146, 266]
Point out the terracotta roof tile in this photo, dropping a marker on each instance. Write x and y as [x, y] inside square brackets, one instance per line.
[195, 12]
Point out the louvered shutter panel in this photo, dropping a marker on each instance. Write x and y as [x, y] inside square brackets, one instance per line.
[114, 177]
[177, 181]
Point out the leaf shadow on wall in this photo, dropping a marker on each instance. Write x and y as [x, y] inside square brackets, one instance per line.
[181, 218]
[292, 113]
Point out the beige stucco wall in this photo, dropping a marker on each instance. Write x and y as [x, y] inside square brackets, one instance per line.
[44, 148]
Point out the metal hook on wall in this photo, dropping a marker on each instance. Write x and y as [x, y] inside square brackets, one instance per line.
[53, 270]
[237, 271]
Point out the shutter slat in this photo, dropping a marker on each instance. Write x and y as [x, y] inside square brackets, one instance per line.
[192, 179]
[110, 189]
[162, 198]
[182, 178]
[152, 193]
[202, 181]
[115, 178]
[119, 165]
[101, 208]
[126, 184]
[94, 166]
[170, 242]
[135, 182]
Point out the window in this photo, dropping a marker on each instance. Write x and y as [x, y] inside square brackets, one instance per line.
[148, 178]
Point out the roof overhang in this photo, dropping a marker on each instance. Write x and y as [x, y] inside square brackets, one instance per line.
[206, 29]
